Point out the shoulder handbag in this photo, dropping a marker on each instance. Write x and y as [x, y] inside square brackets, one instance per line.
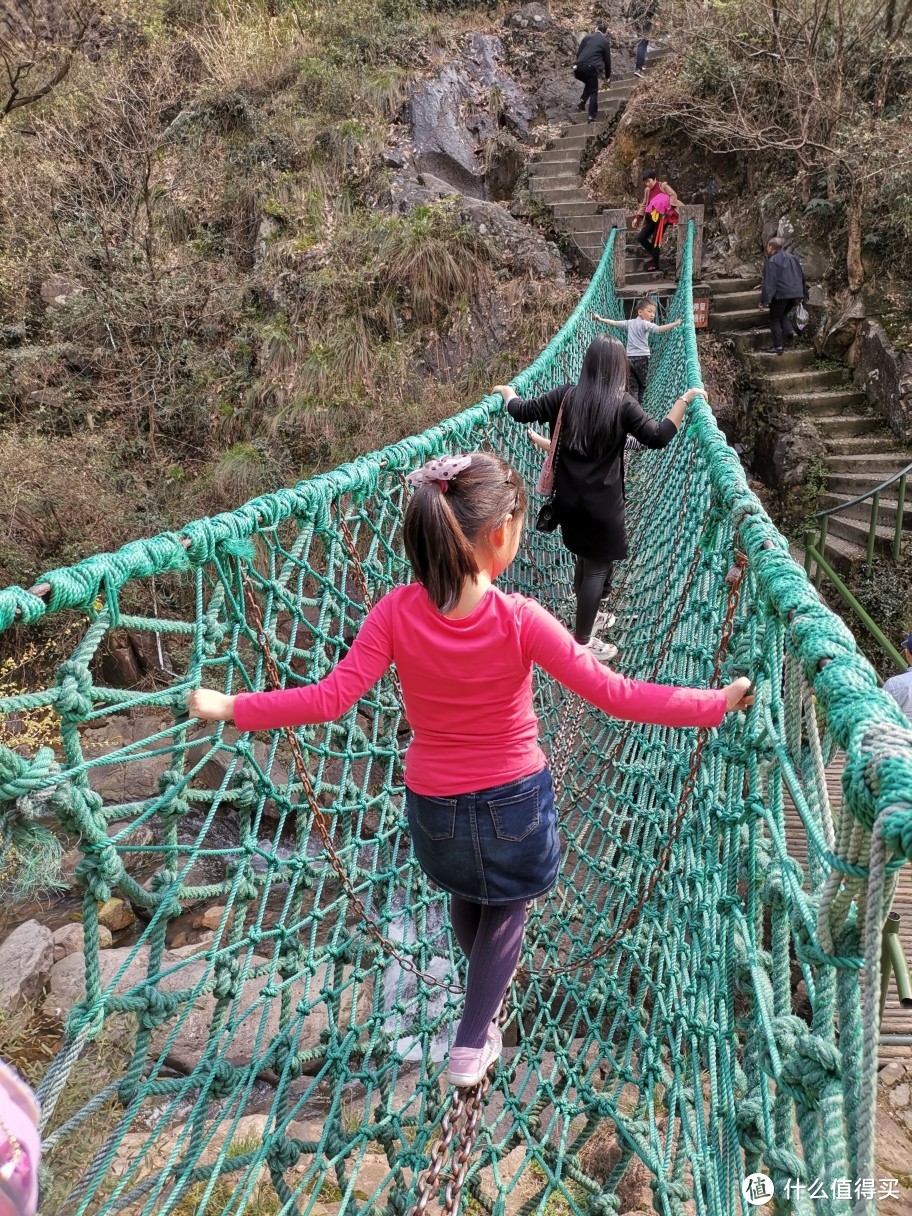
[547, 518]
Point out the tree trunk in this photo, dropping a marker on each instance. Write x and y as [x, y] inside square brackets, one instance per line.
[853, 253]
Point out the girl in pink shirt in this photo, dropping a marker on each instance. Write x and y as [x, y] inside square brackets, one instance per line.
[479, 798]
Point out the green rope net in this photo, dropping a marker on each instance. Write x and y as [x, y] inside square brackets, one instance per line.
[733, 1027]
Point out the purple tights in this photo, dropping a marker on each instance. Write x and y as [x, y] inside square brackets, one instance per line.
[490, 937]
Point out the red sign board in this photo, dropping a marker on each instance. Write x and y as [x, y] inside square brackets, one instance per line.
[701, 312]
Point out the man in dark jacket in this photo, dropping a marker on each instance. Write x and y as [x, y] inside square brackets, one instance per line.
[784, 286]
[594, 53]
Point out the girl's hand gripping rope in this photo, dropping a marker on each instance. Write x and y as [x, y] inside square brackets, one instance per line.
[210, 706]
[738, 695]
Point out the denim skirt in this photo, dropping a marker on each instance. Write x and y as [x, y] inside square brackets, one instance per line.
[494, 846]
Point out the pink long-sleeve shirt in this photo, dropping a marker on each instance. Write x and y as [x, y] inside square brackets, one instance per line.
[467, 687]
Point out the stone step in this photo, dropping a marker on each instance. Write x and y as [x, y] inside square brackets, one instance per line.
[792, 360]
[556, 156]
[853, 484]
[822, 402]
[561, 169]
[808, 382]
[579, 142]
[544, 185]
[876, 465]
[565, 208]
[584, 231]
[562, 194]
[643, 278]
[856, 531]
[842, 555]
[886, 510]
[858, 444]
[723, 322]
[735, 301]
[841, 425]
[748, 340]
[584, 130]
[721, 287]
[657, 287]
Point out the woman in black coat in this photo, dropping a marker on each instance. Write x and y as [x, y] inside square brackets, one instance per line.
[599, 414]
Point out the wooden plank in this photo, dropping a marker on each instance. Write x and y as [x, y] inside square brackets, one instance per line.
[896, 1020]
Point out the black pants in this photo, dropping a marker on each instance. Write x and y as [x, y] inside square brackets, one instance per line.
[645, 238]
[780, 325]
[591, 582]
[590, 79]
[639, 370]
[642, 48]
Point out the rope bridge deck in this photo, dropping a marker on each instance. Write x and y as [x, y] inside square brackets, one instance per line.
[731, 1029]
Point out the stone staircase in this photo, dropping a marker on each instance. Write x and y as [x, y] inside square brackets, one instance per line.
[861, 452]
[556, 180]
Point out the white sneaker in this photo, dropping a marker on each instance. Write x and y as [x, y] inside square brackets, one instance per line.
[639, 72]
[603, 651]
[468, 1065]
[604, 620]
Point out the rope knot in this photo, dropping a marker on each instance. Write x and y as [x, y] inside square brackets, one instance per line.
[226, 973]
[174, 803]
[99, 870]
[284, 1154]
[220, 1076]
[604, 1205]
[157, 1006]
[74, 695]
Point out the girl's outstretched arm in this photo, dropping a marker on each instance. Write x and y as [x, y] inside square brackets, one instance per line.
[370, 656]
[551, 646]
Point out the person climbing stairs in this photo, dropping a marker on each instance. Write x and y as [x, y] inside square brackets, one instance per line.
[860, 450]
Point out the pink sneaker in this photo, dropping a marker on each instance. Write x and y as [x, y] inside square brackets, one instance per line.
[468, 1065]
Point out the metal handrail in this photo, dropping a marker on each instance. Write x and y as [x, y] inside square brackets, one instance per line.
[815, 549]
[843, 506]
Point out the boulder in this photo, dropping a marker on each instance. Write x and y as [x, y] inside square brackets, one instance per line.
[885, 374]
[26, 959]
[836, 339]
[115, 915]
[504, 161]
[531, 16]
[794, 452]
[188, 968]
[68, 940]
[57, 291]
[443, 144]
[522, 248]
[457, 112]
[122, 780]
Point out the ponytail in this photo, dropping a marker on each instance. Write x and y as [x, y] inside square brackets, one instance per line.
[450, 513]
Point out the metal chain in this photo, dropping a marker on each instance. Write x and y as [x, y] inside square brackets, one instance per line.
[466, 1107]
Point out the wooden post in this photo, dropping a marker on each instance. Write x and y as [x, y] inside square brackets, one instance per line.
[616, 217]
[694, 213]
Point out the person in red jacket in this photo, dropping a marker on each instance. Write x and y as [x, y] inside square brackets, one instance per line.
[479, 797]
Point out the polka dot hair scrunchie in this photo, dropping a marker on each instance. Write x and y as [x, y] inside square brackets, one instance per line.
[441, 470]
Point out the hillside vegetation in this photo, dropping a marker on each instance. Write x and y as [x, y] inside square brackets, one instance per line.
[205, 290]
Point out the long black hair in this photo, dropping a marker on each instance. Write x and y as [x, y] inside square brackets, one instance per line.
[442, 526]
[590, 425]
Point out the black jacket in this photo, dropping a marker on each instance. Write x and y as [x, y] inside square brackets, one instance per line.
[594, 51]
[783, 278]
[589, 492]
